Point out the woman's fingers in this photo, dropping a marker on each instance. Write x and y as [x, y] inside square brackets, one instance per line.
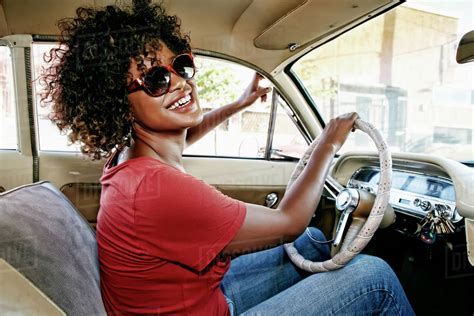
[337, 129]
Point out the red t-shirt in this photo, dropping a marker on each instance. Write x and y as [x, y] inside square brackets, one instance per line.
[159, 231]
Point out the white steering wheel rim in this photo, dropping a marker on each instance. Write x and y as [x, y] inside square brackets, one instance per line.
[361, 236]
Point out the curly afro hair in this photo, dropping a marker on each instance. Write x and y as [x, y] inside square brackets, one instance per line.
[87, 74]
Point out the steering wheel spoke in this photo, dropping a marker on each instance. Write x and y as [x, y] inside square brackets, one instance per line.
[341, 226]
[333, 187]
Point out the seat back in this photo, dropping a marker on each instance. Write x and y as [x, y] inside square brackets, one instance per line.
[86, 199]
[50, 243]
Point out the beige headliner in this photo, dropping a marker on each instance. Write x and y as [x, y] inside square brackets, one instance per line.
[257, 31]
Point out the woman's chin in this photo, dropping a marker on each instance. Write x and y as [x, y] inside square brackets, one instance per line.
[198, 119]
[198, 115]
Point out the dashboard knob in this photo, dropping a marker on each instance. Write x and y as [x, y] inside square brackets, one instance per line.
[444, 210]
[425, 205]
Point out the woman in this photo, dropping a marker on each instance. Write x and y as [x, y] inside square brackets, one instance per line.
[122, 85]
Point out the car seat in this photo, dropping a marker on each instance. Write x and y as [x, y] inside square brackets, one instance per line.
[44, 238]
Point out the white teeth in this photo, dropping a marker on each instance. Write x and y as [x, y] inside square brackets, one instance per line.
[180, 102]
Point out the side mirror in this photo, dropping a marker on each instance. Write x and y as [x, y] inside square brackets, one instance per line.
[465, 51]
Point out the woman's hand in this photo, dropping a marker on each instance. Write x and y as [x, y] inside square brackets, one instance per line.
[253, 92]
[337, 129]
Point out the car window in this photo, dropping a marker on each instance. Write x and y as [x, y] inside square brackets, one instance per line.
[219, 83]
[244, 134]
[288, 141]
[8, 135]
[50, 139]
[399, 72]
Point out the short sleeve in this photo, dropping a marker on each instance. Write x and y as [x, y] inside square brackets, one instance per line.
[182, 219]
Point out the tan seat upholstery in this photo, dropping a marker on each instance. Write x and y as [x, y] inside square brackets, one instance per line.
[19, 296]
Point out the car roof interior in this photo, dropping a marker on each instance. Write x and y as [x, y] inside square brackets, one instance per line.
[266, 33]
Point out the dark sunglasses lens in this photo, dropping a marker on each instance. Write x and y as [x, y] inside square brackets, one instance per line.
[157, 80]
[184, 66]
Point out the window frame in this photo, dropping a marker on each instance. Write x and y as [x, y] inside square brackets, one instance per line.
[280, 101]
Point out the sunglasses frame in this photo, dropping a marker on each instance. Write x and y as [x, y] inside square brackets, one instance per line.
[140, 84]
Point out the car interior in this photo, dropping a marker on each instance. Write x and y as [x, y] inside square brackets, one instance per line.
[402, 65]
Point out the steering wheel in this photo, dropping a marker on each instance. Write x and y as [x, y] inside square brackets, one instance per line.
[350, 202]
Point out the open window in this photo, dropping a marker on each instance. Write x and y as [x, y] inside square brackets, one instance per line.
[8, 115]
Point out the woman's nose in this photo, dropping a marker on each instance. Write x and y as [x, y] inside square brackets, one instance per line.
[177, 82]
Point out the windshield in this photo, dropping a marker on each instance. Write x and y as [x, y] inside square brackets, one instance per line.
[399, 72]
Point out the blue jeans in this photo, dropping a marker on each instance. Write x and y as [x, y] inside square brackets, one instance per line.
[267, 283]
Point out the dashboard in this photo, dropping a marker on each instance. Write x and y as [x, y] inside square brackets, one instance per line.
[412, 193]
[420, 184]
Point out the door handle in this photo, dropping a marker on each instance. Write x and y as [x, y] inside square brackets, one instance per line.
[271, 199]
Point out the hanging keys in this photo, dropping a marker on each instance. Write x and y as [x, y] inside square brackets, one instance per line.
[436, 222]
[429, 228]
[448, 226]
[425, 221]
[426, 228]
[428, 235]
[444, 215]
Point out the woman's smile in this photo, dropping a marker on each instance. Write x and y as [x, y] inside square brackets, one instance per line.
[184, 104]
[181, 102]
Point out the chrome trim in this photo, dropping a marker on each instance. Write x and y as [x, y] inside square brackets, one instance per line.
[347, 199]
[341, 226]
[446, 179]
[271, 199]
[271, 125]
[332, 187]
[346, 202]
[4, 42]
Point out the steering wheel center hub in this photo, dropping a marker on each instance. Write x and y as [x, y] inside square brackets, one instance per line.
[347, 199]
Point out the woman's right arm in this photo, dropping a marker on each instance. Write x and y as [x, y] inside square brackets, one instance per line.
[264, 227]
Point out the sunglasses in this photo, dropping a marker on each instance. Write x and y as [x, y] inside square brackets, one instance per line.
[156, 81]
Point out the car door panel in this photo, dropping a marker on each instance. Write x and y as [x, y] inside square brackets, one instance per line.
[61, 168]
[253, 194]
[247, 180]
[15, 169]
